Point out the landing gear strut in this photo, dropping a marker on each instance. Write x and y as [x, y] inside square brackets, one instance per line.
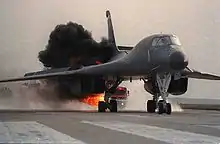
[162, 81]
[108, 103]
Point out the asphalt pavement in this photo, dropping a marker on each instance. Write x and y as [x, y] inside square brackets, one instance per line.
[187, 127]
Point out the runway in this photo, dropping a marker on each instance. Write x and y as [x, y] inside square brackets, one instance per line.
[188, 127]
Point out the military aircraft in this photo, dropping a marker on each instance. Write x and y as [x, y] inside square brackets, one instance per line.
[158, 60]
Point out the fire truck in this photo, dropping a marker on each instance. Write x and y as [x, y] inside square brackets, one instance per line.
[121, 96]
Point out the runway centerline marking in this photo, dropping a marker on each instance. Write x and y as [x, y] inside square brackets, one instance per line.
[32, 132]
[141, 116]
[161, 134]
[212, 126]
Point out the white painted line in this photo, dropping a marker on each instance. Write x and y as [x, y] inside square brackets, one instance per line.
[157, 133]
[137, 116]
[144, 116]
[212, 126]
[32, 132]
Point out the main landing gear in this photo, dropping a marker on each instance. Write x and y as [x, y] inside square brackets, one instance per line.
[163, 81]
[108, 103]
[162, 106]
[112, 106]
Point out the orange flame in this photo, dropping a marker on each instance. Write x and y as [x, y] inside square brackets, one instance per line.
[93, 99]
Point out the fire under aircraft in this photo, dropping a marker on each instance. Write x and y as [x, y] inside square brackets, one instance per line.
[158, 60]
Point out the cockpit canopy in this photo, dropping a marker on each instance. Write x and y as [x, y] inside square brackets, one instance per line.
[166, 40]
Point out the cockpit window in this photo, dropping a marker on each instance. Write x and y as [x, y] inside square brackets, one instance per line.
[166, 40]
[175, 40]
[161, 41]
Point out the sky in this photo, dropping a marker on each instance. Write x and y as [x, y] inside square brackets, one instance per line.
[26, 24]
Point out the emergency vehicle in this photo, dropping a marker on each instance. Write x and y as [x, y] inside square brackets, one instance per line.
[121, 96]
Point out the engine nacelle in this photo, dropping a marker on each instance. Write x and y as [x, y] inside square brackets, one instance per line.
[178, 87]
[149, 87]
[83, 85]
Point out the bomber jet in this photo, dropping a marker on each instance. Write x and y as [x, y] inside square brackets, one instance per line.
[158, 60]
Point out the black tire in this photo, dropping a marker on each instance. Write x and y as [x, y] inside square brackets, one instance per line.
[151, 106]
[113, 106]
[101, 106]
[160, 108]
[168, 108]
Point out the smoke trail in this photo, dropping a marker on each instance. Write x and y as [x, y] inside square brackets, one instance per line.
[68, 45]
[72, 45]
[36, 97]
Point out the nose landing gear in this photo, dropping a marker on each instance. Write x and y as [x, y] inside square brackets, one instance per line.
[161, 107]
[163, 81]
[151, 106]
[164, 107]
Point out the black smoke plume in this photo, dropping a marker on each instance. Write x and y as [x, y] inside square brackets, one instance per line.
[71, 44]
[71, 41]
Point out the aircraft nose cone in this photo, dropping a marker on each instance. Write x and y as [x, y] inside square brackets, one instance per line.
[178, 60]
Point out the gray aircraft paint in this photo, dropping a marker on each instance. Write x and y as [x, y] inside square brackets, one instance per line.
[141, 61]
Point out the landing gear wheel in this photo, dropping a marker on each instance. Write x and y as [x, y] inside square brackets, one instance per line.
[168, 108]
[160, 108]
[151, 106]
[113, 106]
[102, 106]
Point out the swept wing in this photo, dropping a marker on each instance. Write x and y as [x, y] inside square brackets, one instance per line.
[190, 73]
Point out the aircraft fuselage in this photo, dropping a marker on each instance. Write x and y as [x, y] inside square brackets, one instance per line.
[147, 56]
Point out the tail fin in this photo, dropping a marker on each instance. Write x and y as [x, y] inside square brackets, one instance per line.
[111, 36]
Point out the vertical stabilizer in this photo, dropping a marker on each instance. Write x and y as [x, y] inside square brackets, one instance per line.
[111, 36]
